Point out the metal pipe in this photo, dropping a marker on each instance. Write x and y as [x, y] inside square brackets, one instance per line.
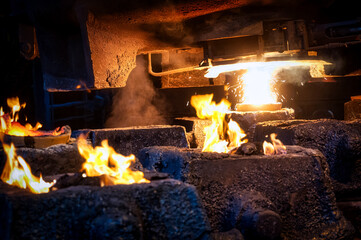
[179, 70]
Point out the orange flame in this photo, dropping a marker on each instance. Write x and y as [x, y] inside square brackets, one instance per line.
[276, 147]
[18, 173]
[103, 160]
[219, 130]
[9, 122]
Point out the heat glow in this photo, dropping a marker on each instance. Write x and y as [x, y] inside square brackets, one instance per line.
[104, 161]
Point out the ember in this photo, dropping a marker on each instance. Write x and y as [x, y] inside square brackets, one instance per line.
[220, 135]
[276, 147]
[10, 125]
[104, 161]
[18, 173]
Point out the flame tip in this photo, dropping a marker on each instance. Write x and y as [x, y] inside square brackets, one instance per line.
[276, 147]
[9, 122]
[104, 161]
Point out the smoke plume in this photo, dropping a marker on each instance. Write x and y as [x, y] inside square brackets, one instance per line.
[137, 104]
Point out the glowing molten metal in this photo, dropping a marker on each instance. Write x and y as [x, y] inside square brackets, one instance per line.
[258, 78]
[220, 135]
[276, 147]
[9, 122]
[18, 173]
[104, 161]
[257, 86]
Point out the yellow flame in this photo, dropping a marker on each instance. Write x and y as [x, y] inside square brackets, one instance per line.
[276, 147]
[9, 122]
[268, 148]
[15, 106]
[18, 173]
[220, 135]
[236, 134]
[2, 121]
[103, 160]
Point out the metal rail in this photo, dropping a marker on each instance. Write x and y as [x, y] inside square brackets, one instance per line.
[179, 70]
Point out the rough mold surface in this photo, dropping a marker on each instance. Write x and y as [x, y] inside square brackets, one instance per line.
[352, 211]
[130, 140]
[352, 109]
[297, 183]
[113, 49]
[256, 215]
[195, 129]
[339, 141]
[233, 234]
[166, 209]
[247, 119]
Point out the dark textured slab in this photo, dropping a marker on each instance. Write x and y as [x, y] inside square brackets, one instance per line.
[165, 209]
[339, 141]
[297, 184]
[352, 211]
[247, 119]
[130, 140]
[352, 109]
[195, 130]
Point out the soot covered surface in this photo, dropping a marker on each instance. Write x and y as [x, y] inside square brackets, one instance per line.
[339, 141]
[164, 209]
[265, 197]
